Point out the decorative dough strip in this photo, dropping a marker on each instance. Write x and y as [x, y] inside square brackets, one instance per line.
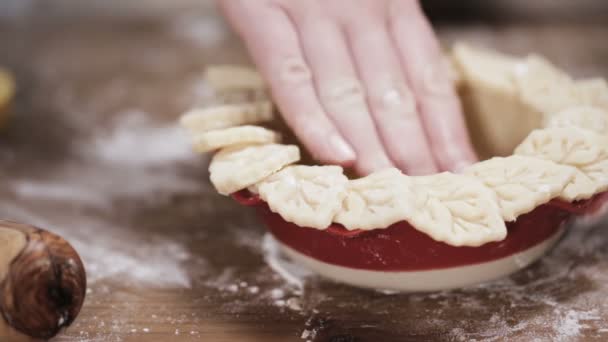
[207, 119]
[236, 168]
[456, 209]
[583, 149]
[240, 135]
[522, 183]
[309, 196]
[230, 77]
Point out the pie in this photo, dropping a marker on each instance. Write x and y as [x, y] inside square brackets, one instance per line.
[543, 140]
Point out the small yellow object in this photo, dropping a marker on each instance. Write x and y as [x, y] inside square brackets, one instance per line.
[7, 91]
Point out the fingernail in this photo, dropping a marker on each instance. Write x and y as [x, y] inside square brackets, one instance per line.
[341, 148]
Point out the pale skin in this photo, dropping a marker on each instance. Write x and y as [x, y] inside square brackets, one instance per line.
[361, 82]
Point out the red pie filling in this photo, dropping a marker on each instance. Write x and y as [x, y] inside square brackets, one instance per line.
[401, 247]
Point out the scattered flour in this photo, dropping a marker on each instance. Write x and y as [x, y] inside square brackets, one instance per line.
[572, 322]
[135, 141]
[108, 252]
[134, 158]
[537, 296]
[292, 273]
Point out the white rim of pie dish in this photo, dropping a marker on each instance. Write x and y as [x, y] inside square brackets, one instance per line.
[428, 280]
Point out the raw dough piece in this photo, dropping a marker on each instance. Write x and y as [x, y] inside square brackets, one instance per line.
[236, 168]
[457, 210]
[488, 91]
[240, 135]
[309, 196]
[376, 201]
[583, 149]
[218, 117]
[522, 183]
[543, 86]
[482, 67]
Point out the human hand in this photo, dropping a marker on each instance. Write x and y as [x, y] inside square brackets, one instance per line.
[359, 82]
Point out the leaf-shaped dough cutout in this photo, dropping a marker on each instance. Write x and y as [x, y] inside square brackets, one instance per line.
[236, 168]
[583, 149]
[309, 196]
[200, 120]
[522, 183]
[376, 201]
[580, 187]
[456, 209]
[586, 117]
[240, 135]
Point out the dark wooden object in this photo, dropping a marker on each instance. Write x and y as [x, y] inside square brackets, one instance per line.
[43, 286]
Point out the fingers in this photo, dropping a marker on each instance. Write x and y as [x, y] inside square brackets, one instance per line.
[428, 75]
[337, 84]
[390, 99]
[273, 43]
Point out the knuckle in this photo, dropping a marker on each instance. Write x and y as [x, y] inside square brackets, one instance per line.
[294, 72]
[346, 92]
[394, 100]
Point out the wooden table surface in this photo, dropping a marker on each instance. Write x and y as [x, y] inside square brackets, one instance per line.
[93, 153]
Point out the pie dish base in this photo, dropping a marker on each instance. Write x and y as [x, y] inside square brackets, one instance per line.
[404, 259]
[429, 280]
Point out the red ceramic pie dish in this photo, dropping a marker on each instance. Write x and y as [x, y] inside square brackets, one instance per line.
[403, 249]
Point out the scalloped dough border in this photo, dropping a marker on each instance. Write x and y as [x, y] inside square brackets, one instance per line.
[467, 209]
